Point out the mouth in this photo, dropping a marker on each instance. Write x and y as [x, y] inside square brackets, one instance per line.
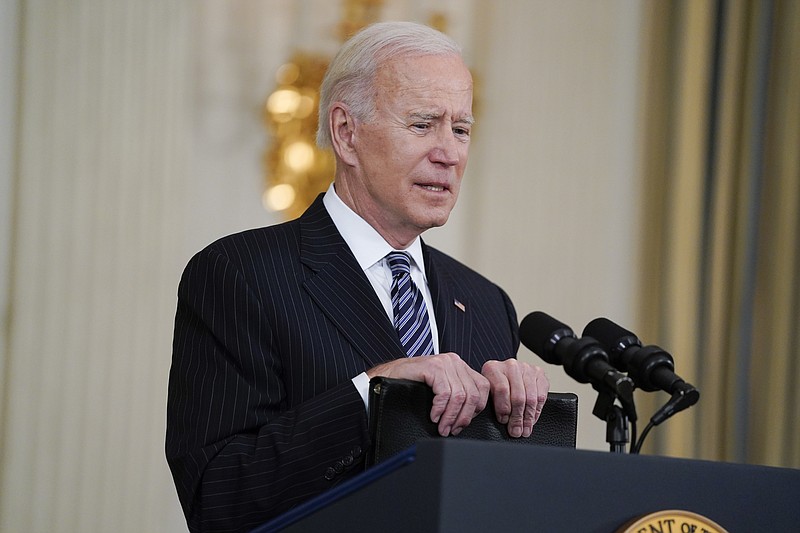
[432, 188]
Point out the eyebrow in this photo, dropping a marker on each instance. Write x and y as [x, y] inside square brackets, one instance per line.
[433, 116]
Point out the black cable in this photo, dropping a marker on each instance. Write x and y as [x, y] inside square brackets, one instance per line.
[647, 429]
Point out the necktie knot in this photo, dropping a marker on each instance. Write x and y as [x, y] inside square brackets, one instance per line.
[399, 263]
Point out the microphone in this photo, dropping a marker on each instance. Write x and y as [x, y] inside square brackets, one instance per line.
[583, 359]
[651, 367]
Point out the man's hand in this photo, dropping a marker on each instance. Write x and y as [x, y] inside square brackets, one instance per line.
[460, 393]
[519, 391]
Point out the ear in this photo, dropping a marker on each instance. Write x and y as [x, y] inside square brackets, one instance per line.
[343, 128]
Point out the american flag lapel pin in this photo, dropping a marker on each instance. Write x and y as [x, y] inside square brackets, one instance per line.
[461, 306]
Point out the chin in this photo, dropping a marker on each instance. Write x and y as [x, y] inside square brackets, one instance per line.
[433, 217]
[436, 221]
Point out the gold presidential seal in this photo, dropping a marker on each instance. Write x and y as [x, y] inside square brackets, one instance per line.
[672, 521]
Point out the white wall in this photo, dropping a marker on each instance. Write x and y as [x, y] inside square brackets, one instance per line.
[100, 175]
[9, 31]
[140, 140]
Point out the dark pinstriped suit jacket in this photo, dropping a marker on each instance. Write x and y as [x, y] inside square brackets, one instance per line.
[271, 326]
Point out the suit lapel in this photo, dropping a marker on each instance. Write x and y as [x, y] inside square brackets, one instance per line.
[451, 307]
[341, 289]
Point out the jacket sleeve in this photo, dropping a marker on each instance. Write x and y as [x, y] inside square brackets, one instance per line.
[239, 454]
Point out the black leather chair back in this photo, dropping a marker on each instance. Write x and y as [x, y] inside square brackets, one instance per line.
[399, 416]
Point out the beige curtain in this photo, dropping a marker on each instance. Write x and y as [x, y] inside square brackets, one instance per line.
[721, 276]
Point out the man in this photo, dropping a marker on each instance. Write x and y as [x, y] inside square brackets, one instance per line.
[278, 330]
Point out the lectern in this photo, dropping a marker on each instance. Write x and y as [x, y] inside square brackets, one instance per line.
[450, 485]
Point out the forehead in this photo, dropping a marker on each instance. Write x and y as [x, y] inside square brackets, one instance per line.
[441, 80]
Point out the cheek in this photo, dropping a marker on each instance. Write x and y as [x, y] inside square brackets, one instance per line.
[456, 189]
[464, 154]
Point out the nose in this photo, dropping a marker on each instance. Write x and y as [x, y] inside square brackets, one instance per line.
[446, 150]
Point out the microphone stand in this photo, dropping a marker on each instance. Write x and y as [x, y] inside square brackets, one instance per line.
[615, 416]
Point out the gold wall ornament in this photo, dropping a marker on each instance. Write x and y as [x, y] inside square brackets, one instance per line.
[358, 14]
[297, 171]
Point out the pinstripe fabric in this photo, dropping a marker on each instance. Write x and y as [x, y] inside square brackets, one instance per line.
[271, 326]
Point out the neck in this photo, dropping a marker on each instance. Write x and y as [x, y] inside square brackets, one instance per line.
[397, 239]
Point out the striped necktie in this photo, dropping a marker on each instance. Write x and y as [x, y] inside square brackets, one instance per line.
[410, 314]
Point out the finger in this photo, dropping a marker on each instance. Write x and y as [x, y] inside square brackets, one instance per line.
[436, 376]
[462, 412]
[537, 386]
[448, 389]
[452, 409]
[499, 388]
[476, 388]
[542, 388]
[466, 399]
[518, 398]
[441, 396]
[532, 403]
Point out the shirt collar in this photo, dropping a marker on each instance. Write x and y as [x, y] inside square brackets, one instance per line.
[366, 243]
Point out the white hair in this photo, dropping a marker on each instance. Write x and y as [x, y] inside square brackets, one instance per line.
[351, 75]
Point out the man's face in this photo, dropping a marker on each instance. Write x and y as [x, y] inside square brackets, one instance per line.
[411, 154]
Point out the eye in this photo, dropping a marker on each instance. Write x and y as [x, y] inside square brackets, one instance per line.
[421, 126]
[461, 131]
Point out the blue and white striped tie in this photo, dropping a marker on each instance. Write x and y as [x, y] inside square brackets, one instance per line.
[410, 314]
